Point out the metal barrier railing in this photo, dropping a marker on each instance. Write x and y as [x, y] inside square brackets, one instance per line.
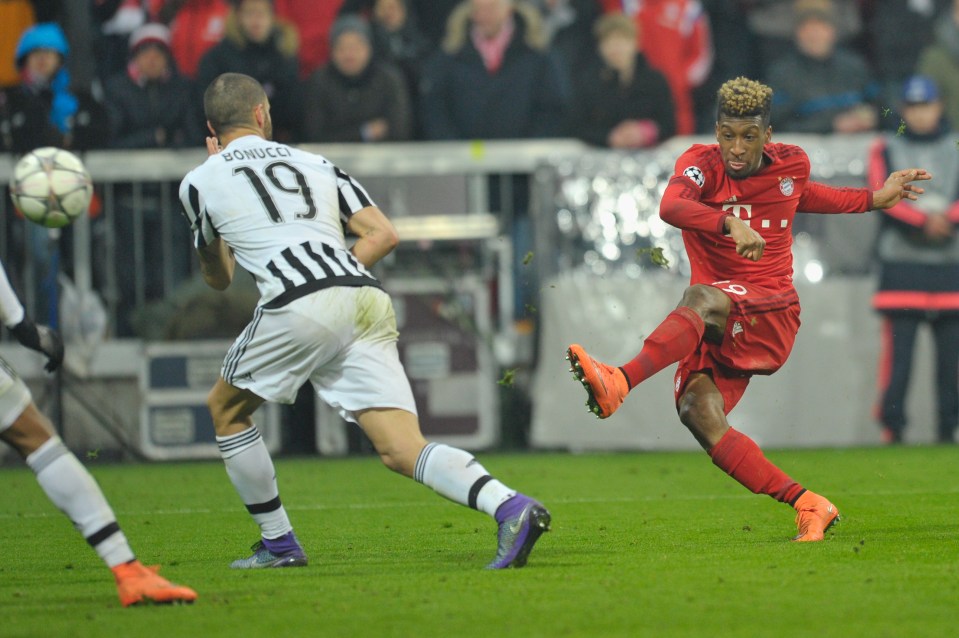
[138, 249]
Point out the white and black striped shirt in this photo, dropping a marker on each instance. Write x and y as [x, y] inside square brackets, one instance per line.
[282, 211]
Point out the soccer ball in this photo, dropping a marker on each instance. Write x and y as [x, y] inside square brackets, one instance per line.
[51, 187]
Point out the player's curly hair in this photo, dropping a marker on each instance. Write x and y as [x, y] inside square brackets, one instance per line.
[229, 99]
[742, 97]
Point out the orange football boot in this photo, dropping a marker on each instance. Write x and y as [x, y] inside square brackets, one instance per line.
[606, 386]
[137, 583]
[814, 515]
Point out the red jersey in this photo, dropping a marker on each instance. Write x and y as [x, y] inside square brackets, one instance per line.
[700, 196]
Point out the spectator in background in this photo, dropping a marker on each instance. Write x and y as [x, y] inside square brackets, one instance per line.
[355, 97]
[772, 24]
[919, 260]
[431, 15]
[940, 61]
[821, 87]
[115, 21]
[571, 39]
[44, 109]
[397, 38]
[676, 39]
[898, 32]
[313, 20]
[259, 45]
[626, 104]
[492, 78]
[151, 104]
[195, 27]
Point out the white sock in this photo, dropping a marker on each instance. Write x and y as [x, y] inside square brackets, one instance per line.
[74, 491]
[459, 477]
[250, 468]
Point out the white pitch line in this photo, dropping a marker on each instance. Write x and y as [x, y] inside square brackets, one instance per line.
[436, 503]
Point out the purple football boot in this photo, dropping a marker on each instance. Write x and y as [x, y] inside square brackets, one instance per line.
[521, 522]
[284, 551]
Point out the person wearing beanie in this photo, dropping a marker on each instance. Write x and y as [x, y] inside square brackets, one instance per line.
[821, 86]
[44, 109]
[151, 106]
[356, 97]
[258, 44]
[150, 103]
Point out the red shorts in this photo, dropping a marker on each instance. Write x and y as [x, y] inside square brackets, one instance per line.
[758, 338]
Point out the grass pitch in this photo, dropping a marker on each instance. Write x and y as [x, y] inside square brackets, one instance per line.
[655, 544]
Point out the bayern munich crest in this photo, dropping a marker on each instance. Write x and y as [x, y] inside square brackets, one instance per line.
[786, 186]
[696, 175]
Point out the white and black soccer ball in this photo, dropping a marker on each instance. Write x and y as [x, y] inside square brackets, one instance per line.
[51, 187]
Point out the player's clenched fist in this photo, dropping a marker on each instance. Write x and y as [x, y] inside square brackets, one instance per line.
[749, 243]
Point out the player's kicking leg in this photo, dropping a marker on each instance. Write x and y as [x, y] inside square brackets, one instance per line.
[675, 338]
[458, 476]
[250, 468]
[74, 491]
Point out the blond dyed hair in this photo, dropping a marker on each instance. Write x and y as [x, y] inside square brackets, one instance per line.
[743, 98]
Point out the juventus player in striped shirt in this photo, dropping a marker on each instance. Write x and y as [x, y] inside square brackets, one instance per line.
[322, 317]
[60, 474]
[735, 202]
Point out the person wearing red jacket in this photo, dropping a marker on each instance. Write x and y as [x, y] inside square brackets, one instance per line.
[918, 252]
[735, 202]
[676, 39]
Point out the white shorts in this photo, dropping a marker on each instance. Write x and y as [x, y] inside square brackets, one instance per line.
[341, 339]
[14, 396]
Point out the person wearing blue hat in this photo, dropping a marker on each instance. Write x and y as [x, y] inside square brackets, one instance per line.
[918, 255]
[44, 109]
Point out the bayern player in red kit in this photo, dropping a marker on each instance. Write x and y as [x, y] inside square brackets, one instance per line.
[735, 202]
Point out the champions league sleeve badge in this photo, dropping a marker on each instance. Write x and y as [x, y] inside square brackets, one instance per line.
[696, 175]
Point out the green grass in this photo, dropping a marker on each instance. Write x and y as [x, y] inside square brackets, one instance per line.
[651, 544]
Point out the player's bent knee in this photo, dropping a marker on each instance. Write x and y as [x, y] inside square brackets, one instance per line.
[711, 304]
[28, 432]
[399, 460]
[697, 411]
[690, 412]
[704, 298]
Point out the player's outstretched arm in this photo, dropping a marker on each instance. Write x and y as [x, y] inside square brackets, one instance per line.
[899, 186]
[217, 264]
[377, 236]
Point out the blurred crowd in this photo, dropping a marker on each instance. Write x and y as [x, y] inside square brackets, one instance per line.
[615, 73]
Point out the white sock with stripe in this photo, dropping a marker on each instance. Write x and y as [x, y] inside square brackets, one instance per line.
[75, 492]
[458, 476]
[250, 468]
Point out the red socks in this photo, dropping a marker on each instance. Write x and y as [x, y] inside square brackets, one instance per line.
[673, 339]
[740, 457]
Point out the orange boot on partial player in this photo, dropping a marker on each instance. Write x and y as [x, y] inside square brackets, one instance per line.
[814, 515]
[137, 583]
